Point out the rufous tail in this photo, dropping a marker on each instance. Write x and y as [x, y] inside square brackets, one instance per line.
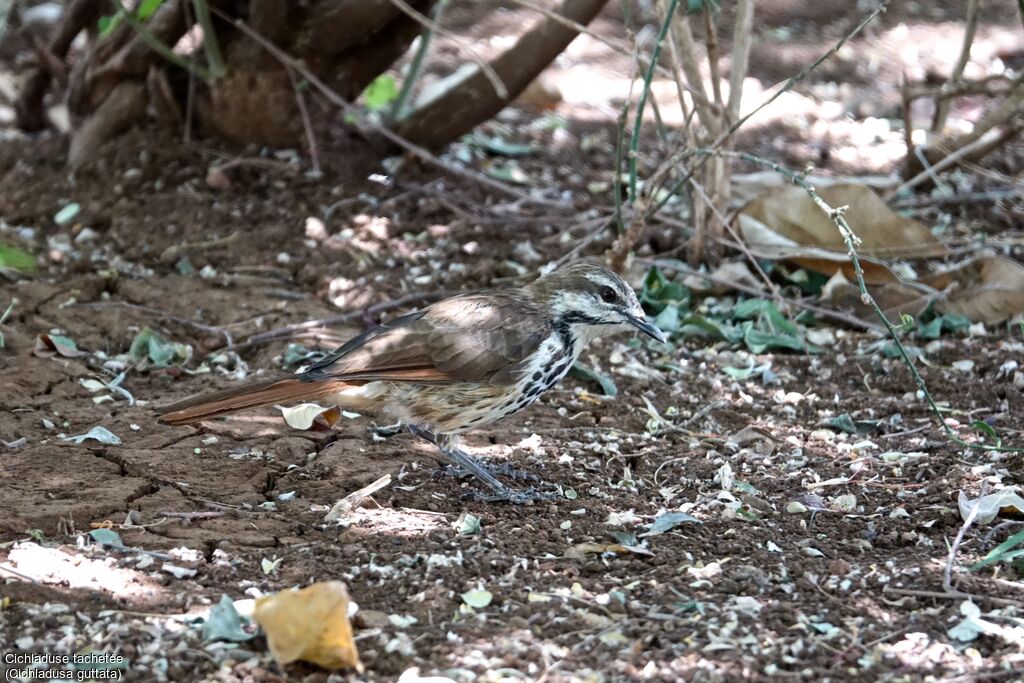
[252, 395]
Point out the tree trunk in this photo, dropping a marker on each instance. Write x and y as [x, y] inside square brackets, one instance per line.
[252, 97]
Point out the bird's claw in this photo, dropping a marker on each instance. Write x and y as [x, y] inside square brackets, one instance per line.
[511, 496]
[386, 431]
[503, 470]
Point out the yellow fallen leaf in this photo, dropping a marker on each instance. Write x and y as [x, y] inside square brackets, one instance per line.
[307, 415]
[310, 624]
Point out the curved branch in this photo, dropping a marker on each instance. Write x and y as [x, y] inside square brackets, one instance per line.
[473, 100]
[29, 111]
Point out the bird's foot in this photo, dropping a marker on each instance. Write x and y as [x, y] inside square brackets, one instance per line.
[386, 431]
[513, 496]
[497, 470]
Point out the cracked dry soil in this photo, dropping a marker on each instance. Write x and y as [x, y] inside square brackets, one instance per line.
[753, 592]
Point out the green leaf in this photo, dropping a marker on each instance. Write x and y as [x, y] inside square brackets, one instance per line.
[16, 259]
[108, 24]
[381, 92]
[986, 430]
[667, 521]
[608, 387]
[694, 325]
[668, 319]
[742, 373]
[478, 598]
[225, 623]
[147, 7]
[1003, 551]
[845, 423]
[496, 145]
[106, 537]
[509, 172]
[150, 344]
[758, 341]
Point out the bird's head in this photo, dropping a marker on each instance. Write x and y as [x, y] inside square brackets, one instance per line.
[593, 301]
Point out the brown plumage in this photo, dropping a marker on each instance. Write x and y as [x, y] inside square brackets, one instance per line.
[458, 364]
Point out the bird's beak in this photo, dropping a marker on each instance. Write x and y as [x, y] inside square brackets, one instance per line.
[641, 323]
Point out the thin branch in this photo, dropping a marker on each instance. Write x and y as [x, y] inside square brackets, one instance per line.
[157, 313]
[871, 16]
[772, 287]
[307, 123]
[159, 46]
[947, 574]
[950, 160]
[970, 28]
[634, 142]
[742, 39]
[401, 103]
[415, 150]
[711, 40]
[683, 37]
[211, 47]
[462, 43]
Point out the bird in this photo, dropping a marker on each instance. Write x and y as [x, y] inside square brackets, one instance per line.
[456, 365]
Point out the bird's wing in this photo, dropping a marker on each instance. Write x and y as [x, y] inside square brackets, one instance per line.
[474, 337]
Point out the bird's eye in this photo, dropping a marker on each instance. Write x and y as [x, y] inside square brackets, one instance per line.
[607, 294]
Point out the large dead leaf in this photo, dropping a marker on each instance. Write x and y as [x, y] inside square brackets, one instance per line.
[749, 186]
[785, 224]
[310, 624]
[894, 298]
[988, 289]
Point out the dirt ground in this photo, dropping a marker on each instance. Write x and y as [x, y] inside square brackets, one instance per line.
[804, 536]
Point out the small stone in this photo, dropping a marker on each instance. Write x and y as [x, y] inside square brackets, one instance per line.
[369, 618]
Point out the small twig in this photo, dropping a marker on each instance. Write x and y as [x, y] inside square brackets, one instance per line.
[947, 574]
[307, 123]
[965, 198]
[772, 287]
[944, 163]
[344, 506]
[742, 38]
[634, 142]
[15, 572]
[952, 595]
[209, 329]
[711, 40]
[192, 515]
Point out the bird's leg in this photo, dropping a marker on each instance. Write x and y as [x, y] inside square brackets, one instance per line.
[447, 444]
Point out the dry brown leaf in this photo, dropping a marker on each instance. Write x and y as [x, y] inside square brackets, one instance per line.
[310, 624]
[722, 279]
[894, 298]
[989, 289]
[750, 186]
[785, 224]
